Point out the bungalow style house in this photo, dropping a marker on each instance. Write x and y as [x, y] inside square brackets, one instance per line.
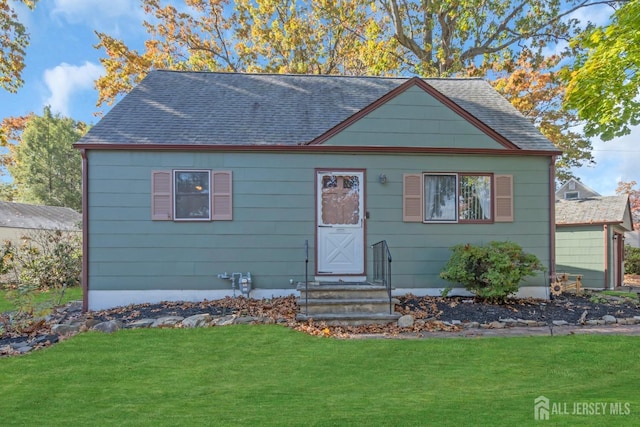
[198, 183]
[590, 235]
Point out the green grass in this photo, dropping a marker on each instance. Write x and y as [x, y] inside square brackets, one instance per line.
[70, 294]
[623, 294]
[257, 375]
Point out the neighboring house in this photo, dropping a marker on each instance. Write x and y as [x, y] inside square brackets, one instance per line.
[575, 190]
[18, 219]
[194, 176]
[590, 236]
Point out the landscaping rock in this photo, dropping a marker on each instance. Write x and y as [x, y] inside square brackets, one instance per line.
[471, 325]
[109, 326]
[245, 320]
[223, 321]
[73, 307]
[197, 321]
[608, 319]
[142, 323]
[167, 322]
[24, 349]
[66, 328]
[406, 321]
[560, 323]
[90, 323]
[496, 325]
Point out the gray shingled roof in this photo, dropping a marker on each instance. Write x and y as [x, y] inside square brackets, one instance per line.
[20, 215]
[593, 210]
[172, 107]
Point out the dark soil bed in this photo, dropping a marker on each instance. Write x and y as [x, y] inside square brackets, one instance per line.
[569, 308]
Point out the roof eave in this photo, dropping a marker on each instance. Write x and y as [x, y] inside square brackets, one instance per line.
[570, 224]
[313, 149]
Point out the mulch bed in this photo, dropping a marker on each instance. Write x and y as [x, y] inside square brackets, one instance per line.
[568, 307]
[431, 314]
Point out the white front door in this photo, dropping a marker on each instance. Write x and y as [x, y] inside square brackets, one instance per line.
[340, 222]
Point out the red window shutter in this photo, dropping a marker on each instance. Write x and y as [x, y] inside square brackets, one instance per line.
[412, 197]
[503, 198]
[161, 197]
[221, 196]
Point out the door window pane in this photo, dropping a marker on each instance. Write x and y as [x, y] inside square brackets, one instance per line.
[340, 200]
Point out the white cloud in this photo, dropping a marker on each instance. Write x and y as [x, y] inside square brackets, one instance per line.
[598, 15]
[101, 15]
[64, 80]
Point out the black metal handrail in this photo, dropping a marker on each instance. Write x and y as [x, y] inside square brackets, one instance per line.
[382, 267]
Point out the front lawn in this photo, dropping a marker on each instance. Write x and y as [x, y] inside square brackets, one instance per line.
[71, 294]
[261, 375]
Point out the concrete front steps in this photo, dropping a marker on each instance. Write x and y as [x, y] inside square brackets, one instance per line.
[346, 304]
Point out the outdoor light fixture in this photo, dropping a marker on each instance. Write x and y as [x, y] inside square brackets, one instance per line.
[382, 178]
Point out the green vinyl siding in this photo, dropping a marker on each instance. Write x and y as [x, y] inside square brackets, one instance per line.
[414, 118]
[581, 250]
[274, 213]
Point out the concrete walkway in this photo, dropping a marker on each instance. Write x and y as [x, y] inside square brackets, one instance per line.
[630, 330]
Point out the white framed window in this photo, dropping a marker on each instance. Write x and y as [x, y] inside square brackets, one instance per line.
[440, 198]
[191, 195]
[191, 201]
[457, 198]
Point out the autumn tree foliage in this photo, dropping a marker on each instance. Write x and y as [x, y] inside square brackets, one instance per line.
[533, 85]
[275, 36]
[10, 130]
[634, 200]
[14, 40]
[427, 38]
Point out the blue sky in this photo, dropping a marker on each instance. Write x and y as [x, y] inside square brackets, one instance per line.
[62, 66]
